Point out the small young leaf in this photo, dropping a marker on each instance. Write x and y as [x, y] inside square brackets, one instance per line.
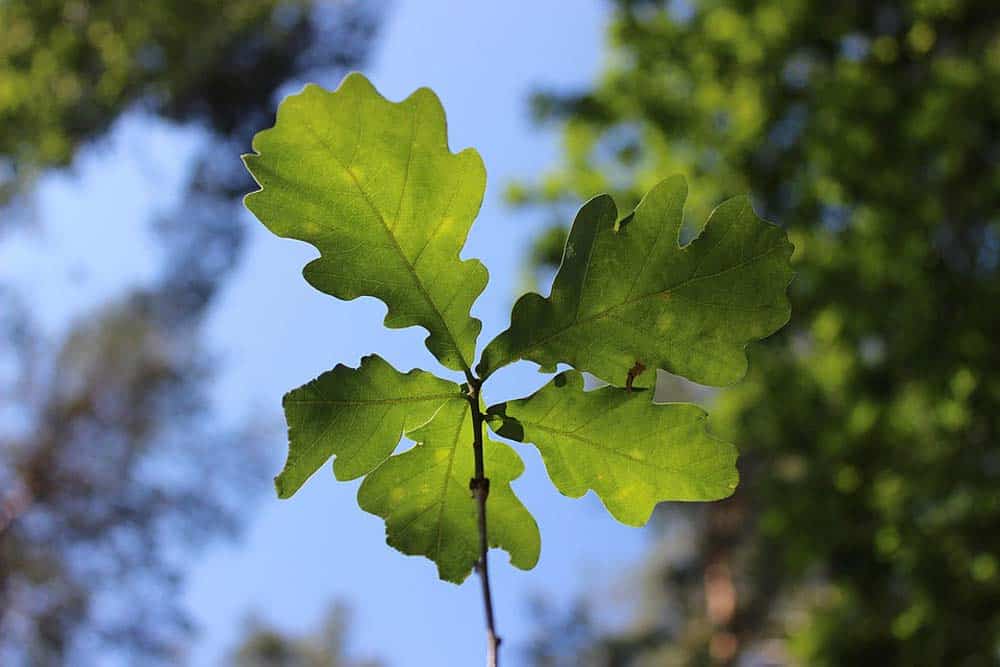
[358, 415]
[632, 452]
[423, 495]
[373, 185]
[628, 297]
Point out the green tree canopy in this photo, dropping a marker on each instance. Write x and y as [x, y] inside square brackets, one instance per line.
[68, 69]
[871, 485]
[328, 645]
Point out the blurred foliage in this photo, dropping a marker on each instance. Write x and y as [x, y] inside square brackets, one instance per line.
[866, 529]
[265, 646]
[106, 478]
[113, 467]
[69, 68]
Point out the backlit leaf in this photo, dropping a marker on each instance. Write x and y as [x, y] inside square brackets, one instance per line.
[423, 495]
[632, 452]
[357, 415]
[373, 185]
[629, 299]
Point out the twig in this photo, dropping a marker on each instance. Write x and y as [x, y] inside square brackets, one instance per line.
[480, 487]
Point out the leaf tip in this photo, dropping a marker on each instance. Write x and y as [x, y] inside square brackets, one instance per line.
[281, 488]
[528, 561]
[353, 79]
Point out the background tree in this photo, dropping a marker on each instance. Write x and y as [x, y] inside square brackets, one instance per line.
[865, 527]
[111, 467]
[265, 646]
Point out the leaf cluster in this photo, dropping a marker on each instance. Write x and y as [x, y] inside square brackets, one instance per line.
[373, 185]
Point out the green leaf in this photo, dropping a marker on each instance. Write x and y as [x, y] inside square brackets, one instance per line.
[423, 495]
[357, 415]
[628, 297]
[373, 185]
[632, 452]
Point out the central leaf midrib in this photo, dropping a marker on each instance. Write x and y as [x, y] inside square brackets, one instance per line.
[385, 226]
[409, 267]
[628, 302]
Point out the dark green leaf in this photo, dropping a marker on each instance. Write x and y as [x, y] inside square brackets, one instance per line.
[628, 298]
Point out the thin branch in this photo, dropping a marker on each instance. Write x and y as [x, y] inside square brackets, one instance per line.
[480, 487]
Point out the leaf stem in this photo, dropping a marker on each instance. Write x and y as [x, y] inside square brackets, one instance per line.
[480, 487]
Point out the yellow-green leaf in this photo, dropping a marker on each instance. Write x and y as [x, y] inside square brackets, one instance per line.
[373, 185]
[357, 415]
[423, 495]
[632, 452]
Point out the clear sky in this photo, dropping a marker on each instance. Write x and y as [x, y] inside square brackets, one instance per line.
[271, 332]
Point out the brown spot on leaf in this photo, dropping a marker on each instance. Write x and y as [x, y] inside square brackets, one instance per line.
[633, 373]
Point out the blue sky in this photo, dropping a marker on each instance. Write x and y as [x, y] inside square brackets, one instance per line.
[271, 332]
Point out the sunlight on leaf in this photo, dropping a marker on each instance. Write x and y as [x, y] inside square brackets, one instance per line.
[357, 415]
[424, 496]
[628, 297]
[632, 452]
[373, 185]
